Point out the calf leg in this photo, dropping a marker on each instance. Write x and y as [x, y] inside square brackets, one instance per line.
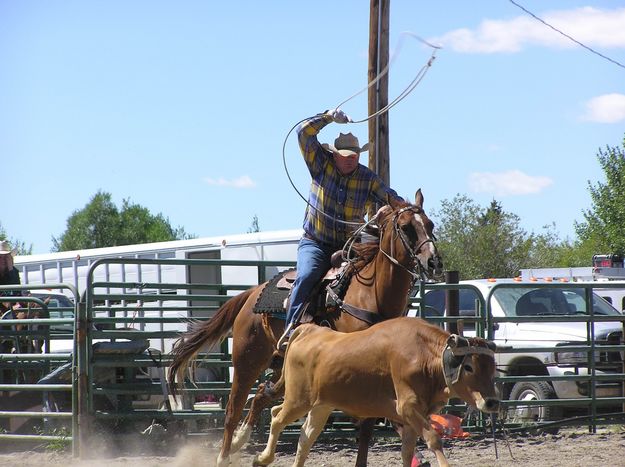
[316, 420]
[434, 443]
[281, 416]
[408, 442]
[412, 412]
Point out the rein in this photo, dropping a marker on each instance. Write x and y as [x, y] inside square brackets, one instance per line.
[366, 315]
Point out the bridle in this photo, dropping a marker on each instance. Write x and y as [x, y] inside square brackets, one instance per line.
[365, 315]
[412, 252]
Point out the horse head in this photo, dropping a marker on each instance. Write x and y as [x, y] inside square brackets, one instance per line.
[26, 343]
[407, 237]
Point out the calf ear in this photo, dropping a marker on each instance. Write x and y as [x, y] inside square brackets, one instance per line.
[455, 340]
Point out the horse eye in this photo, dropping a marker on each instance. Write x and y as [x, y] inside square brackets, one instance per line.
[468, 368]
[409, 230]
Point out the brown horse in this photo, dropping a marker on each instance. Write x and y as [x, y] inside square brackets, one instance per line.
[18, 339]
[19, 343]
[406, 252]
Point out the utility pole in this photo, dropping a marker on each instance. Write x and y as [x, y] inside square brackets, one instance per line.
[378, 93]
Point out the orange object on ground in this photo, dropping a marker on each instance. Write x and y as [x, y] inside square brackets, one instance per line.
[448, 426]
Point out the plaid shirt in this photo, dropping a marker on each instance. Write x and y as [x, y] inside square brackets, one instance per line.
[338, 197]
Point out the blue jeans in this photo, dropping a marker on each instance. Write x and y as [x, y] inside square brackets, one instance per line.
[313, 261]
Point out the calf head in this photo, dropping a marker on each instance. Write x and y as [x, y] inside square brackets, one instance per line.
[469, 369]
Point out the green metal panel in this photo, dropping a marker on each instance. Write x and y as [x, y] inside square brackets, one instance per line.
[110, 303]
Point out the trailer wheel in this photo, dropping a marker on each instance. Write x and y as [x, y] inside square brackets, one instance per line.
[531, 414]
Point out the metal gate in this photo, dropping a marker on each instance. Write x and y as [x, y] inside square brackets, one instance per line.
[122, 332]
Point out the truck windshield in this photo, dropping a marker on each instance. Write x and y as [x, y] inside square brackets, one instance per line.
[549, 302]
[523, 302]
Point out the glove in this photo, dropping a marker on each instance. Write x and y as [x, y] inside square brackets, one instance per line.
[339, 116]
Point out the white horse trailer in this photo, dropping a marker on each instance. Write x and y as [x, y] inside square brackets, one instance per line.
[72, 267]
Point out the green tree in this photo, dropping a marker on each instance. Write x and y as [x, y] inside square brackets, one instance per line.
[137, 225]
[489, 242]
[17, 244]
[602, 229]
[101, 224]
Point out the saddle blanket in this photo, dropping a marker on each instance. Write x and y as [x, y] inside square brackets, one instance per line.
[272, 298]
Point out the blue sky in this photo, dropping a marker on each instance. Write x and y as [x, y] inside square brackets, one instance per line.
[183, 107]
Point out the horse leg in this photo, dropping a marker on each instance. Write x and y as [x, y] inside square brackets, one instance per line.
[365, 433]
[242, 382]
[266, 394]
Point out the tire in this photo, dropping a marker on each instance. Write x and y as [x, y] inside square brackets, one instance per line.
[533, 414]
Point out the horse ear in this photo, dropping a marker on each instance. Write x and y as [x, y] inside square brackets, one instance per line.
[418, 199]
[491, 345]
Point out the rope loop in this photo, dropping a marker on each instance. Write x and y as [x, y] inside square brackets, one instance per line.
[411, 86]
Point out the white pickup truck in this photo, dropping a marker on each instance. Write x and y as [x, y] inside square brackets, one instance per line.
[520, 338]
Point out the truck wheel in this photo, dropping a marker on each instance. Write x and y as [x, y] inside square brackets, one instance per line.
[530, 414]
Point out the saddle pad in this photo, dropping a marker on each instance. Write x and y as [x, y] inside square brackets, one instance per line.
[271, 299]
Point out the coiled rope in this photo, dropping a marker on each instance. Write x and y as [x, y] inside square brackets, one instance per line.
[411, 86]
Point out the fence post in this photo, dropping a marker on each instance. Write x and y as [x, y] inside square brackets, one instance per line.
[81, 383]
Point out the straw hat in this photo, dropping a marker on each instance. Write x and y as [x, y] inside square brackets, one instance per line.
[346, 145]
[5, 248]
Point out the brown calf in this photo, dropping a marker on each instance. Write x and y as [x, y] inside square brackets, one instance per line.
[403, 369]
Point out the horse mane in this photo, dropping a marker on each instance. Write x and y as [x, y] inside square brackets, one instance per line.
[365, 252]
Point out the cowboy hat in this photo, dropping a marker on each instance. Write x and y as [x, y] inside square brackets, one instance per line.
[5, 248]
[346, 145]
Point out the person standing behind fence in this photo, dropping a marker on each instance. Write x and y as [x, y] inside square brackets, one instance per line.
[341, 191]
[9, 275]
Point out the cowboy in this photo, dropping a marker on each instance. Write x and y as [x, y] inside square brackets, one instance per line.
[341, 192]
[9, 275]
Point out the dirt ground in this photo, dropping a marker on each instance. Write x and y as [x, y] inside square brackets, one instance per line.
[570, 447]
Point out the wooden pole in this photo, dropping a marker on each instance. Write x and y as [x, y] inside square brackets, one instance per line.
[452, 301]
[378, 93]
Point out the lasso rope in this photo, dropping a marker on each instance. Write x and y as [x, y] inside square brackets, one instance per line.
[413, 84]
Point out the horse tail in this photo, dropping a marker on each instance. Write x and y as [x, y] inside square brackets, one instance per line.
[203, 334]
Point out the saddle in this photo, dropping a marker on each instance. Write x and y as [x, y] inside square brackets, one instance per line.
[273, 300]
